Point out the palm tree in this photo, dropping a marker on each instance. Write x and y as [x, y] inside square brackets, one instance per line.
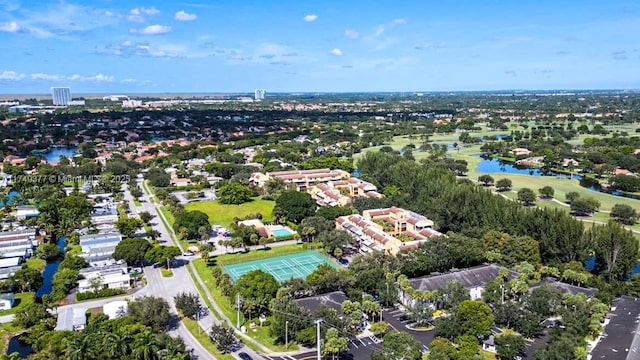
[145, 346]
[253, 239]
[119, 344]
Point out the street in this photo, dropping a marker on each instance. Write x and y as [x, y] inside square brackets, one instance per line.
[181, 281]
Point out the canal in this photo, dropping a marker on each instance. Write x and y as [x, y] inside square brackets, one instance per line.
[15, 343]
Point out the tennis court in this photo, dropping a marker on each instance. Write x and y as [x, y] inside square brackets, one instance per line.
[282, 267]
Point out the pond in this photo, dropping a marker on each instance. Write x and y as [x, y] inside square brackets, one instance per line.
[590, 265]
[54, 154]
[11, 196]
[50, 270]
[492, 165]
[21, 347]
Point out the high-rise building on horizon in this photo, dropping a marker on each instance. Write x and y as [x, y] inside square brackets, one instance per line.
[259, 94]
[61, 96]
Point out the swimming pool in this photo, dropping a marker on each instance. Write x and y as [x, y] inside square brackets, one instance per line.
[281, 232]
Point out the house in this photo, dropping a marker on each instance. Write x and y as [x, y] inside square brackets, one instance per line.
[105, 277]
[620, 339]
[88, 242]
[6, 301]
[104, 215]
[70, 319]
[18, 243]
[619, 171]
[26, 212]
[521, 152]
[99, 256]
[474, 278]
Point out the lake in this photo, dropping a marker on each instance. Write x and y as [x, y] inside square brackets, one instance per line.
[54, 154]
[497, 166]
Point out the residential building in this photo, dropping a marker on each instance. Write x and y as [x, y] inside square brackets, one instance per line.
[114, 276]
[26, 212]
[71, 319]
[6, 301]
[88, 242]
[326, 195]
[18, 243]
[104, 215]
[620, 339]
[474, 278]
[302, 179]
[61, 96]
[99, 256]
[565, 288]
[340, 192]
[259, 94]
[391, 229]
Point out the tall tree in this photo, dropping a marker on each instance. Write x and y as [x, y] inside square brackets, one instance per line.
[475, 318]
[616, 250]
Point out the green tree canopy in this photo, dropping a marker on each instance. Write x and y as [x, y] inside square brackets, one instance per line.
[475, 318]
[294, 205]
[257, 287]
[234, 193]
[132, 250]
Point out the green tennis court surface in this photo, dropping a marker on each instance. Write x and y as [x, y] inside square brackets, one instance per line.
[282, 267]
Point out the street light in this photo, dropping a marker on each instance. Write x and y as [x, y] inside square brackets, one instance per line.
[318, 322]
[286, 333]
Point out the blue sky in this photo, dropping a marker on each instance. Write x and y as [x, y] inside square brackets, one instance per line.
[286, 45]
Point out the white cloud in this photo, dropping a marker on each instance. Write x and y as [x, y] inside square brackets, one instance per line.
[11, 75]
[41, 76]
[137, 14]
[15, 76]
[11, 27]
[310, 17]
[184, 16]
[336, 52]
[152, 30]
[351, 34]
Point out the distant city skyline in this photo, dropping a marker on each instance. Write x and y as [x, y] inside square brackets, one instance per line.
[332, 46]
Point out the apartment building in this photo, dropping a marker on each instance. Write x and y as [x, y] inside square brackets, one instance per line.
[302, 179]
[391, 229]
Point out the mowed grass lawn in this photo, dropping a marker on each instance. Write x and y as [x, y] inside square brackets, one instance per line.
[223, 214]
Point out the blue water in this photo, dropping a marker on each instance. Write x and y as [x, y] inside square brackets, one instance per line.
[22, 348]
[50, 270]
[499, 166]
[590, 264]
[54, 154]
[10, 197]
[282, 233]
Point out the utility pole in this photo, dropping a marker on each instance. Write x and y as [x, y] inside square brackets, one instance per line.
[198, 321]
[502, 293]
[238, 314]
[286, 333]
[318, 322]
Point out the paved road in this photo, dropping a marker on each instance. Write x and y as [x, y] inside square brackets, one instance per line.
[167, 288]
[181, 281]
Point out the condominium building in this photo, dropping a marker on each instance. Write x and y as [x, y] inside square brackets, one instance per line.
[61, 96]
[391, 229]
[259, 94]
[302, 179]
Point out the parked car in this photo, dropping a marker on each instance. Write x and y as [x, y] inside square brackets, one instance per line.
[188, 253]
[344, 262]
[245, 356]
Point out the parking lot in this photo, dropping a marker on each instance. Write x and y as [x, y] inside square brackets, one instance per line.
[398, 321]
